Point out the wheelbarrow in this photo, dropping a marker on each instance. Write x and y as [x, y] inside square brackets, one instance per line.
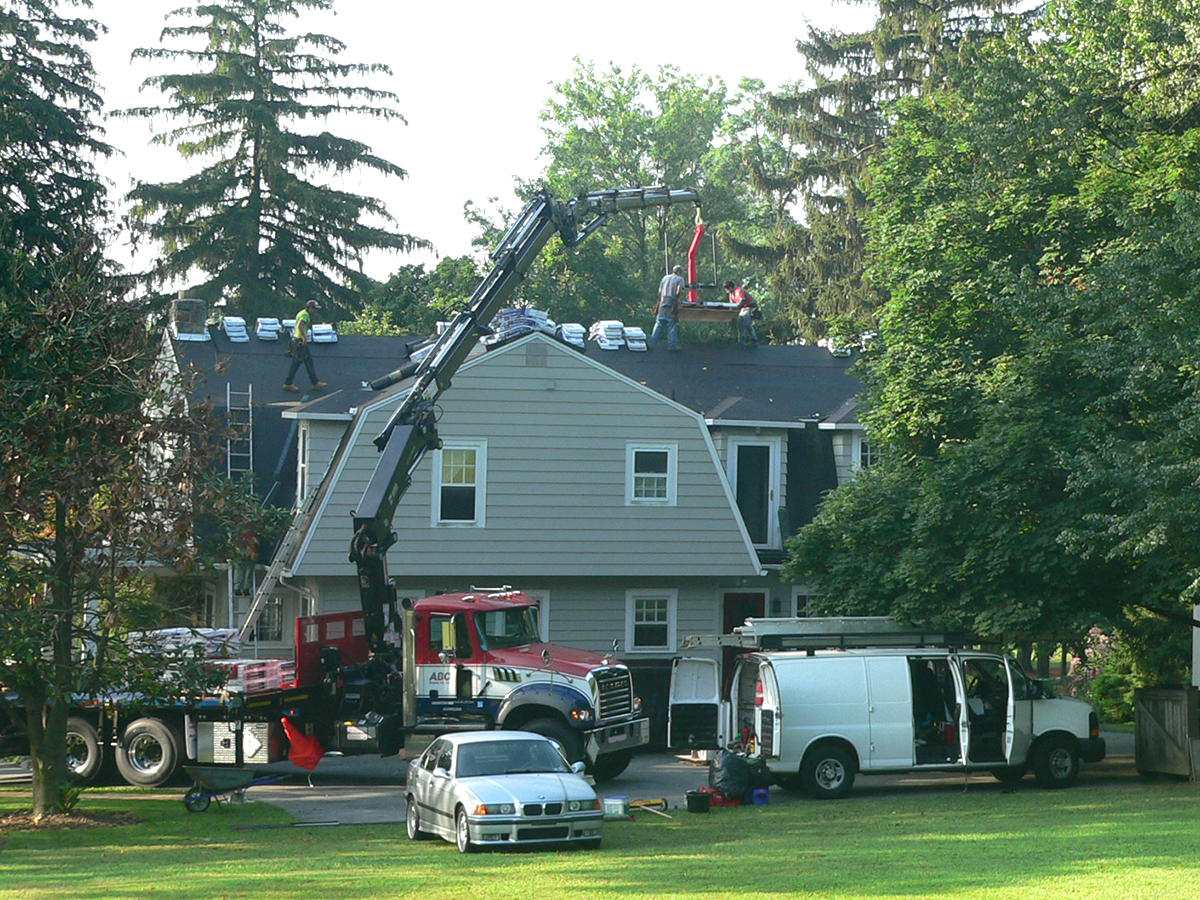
[215, 782]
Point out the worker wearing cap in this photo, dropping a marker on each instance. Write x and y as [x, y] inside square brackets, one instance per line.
[666, 311]
[298, 349]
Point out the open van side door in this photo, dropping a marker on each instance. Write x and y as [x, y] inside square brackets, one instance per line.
[768, 711]
[960, 703]
[697, 718]
[1019, 734]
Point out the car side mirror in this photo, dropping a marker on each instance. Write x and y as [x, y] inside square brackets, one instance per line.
[578, 767]
[439, 772]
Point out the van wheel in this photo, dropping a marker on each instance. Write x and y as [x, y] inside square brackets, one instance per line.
[149, 753]
[85, 753]
[828, 771]
[1056, 762]
[1009, 775]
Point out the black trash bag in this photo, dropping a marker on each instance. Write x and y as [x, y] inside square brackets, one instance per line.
[760, 775]
[729, 773]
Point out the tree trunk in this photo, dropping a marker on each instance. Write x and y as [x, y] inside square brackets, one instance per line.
[46, 712]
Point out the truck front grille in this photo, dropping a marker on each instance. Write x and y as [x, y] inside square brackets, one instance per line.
[615, 693]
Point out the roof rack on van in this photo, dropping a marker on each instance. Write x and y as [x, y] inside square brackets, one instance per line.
[826, 633]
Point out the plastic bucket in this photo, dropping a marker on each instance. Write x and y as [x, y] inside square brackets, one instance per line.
[616, 807]
[698, 801]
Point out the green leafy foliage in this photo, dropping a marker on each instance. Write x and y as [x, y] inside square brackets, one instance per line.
[263, 219]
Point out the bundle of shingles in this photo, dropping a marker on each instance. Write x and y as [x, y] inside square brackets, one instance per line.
[573, 333]
[517, 321]
[609, 334]
[635, 338]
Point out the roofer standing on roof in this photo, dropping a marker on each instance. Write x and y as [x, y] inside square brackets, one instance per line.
[666, 311]
[747, 307]
[298, 348]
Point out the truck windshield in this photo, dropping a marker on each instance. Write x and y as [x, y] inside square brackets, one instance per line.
[507, 628]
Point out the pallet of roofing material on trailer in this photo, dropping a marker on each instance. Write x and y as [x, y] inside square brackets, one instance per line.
[826, 633]
[707, 312]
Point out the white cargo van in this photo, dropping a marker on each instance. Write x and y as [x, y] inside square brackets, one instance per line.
[819, 718]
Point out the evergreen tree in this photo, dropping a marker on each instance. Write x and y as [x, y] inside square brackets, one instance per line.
[837, 125]
[260, 220]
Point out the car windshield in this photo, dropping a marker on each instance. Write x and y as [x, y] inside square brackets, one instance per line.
[503, 628]
[508, 757]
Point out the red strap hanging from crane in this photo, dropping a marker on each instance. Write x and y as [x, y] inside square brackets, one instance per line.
[693, 270]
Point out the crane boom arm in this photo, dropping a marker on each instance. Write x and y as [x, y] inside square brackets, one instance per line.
[412, 429]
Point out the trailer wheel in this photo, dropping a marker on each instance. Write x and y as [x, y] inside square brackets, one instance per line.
[570, 741]
[610, 765]
[148, 754]
[828, 770]
[85, 753]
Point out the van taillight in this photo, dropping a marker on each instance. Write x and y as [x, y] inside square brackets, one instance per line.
[758, 697]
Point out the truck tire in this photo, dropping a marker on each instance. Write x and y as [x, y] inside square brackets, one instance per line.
[610, 765]
[85, 753]
[148, 754]
[1056, 761]
[570, 741]
[828, 770]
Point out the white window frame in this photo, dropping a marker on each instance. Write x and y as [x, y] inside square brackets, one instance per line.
[672, 451]
[671, 595]
[302, 465]
[542, 599]
[480, 520]
[856, 453]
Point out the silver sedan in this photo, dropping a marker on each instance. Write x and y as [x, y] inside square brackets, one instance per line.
[500, 788]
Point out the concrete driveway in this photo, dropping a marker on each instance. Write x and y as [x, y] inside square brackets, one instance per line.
[367, 791]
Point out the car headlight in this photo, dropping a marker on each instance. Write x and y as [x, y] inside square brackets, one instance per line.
[494, 809]
[580, 805]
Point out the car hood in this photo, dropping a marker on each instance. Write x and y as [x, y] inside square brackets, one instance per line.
[541, 787]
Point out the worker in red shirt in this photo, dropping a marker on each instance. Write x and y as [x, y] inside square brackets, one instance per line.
[747, 312]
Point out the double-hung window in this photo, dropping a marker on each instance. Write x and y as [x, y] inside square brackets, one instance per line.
[459, 483]
[650, 474]
[650, 620]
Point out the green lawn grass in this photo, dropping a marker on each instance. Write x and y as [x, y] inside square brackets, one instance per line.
[1128, 840]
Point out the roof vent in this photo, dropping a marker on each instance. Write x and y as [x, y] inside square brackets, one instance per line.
[235, 329]
[266, 329]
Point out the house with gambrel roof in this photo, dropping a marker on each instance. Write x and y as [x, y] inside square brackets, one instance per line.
[639, 497]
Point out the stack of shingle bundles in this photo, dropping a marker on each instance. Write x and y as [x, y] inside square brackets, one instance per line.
[235, 329]
[324, 333]
[635, 338]
[573, 333]
[516, 321]
[609, 334]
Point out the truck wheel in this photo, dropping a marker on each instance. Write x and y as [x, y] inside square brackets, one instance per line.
[85, 753]
[610, 765]
[1056, 762]
[148, 753]
[827, 771]
[412, 820]
[570, 741]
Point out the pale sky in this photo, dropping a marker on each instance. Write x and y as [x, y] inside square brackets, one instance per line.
[472, 78]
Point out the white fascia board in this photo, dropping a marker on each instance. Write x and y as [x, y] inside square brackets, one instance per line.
[705, 434]
[319, 417]
[840, 426]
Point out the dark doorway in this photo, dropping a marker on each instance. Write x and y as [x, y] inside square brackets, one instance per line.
[736, 608]
[753, 471]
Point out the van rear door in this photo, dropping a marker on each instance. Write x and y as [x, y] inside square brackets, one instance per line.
[696, 718]
[767, 710]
